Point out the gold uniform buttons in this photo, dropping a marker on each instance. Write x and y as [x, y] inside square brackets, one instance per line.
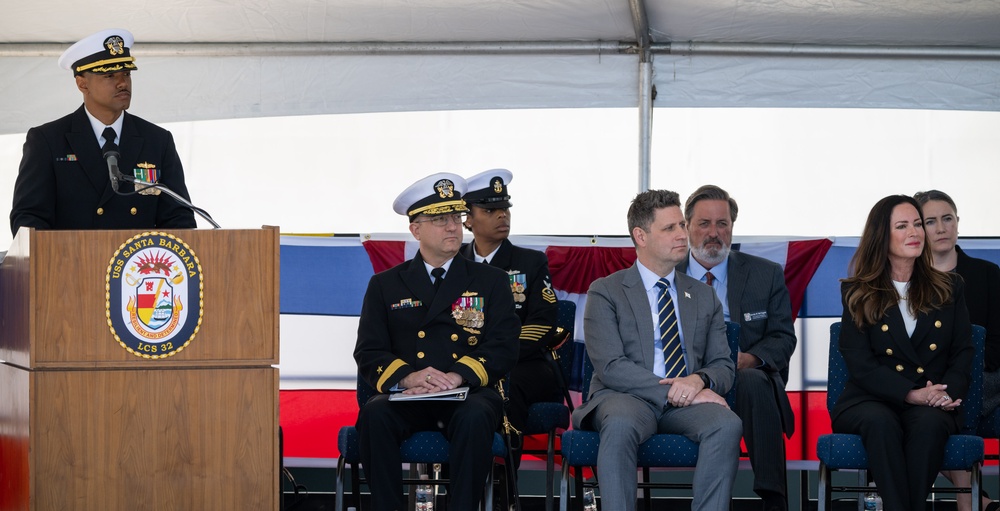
[888, 351]
[133, 211]
[421, 334]
[920, 370]
[899, 368]
[885, 328]
[454, 337]
[420, 354]
[100, 211]
[454, 356]
[933, 347]
[937, 324]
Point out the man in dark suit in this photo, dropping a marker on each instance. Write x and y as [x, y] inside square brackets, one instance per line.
[434, 323]
[63, 181]
[653, 373]
[533, 379]
[753, 294]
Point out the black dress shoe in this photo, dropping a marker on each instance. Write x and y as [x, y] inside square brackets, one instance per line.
[775, 502]
[993, 506]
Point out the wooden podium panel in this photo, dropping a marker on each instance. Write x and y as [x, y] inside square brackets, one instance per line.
[87, 425]
[61, 321]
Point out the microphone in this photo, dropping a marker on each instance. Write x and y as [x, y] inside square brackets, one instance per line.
[112, 158]
[111, 155]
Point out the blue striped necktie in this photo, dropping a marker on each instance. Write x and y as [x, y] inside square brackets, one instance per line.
[670, 339]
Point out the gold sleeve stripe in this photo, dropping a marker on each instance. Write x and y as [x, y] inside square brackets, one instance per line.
[393, 367]
[527, 337]
[538, 328]
[477, 368]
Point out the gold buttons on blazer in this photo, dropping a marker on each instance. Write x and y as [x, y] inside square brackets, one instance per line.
[937, 324]
[920, 370]
[888, 351]
[899, 368]
[100, 211]
[420, 354]
[454, 337]
[933, 347]
[454, 356]
[885, 328]
[133, 211]
[421, 334]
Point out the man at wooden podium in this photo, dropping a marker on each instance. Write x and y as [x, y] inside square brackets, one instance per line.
[63, 181]
[434, 323]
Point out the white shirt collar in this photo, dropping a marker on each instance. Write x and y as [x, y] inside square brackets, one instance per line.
[99, 126]
[446, 266]
[488, 257]
[649, 279]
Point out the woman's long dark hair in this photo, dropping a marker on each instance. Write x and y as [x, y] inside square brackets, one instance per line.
[870, 292]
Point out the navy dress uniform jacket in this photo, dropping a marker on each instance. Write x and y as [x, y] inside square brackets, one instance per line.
[406, 327]
[63, 179]
[884, 363]
[982, 296]
[539, 309]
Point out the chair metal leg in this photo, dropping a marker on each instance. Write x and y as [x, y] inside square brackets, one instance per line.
[824, 500]
[550, 470]
[977, 482]
[564, 488]
[647, 498]
[339, 499]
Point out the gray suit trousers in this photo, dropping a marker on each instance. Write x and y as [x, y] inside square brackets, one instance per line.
[625, 421]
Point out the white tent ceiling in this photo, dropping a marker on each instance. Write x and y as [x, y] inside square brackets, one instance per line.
[204, 59]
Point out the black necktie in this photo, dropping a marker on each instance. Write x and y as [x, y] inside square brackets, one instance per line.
[438, 274]
[109, 140]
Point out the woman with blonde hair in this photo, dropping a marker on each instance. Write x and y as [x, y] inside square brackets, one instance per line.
[982, 293]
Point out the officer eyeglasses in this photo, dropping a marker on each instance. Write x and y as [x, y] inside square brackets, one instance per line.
[443, 220]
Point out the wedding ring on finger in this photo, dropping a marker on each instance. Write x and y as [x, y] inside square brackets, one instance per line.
[428, 378]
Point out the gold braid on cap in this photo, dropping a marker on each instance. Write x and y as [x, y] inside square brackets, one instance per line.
[440, 208]
[90, 67]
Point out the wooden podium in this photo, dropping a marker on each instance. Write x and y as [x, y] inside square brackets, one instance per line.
[85, 424]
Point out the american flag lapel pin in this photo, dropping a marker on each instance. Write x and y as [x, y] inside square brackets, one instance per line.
[687, 295]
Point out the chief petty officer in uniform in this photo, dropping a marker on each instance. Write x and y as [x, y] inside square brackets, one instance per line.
[416, 339]
[63, 179]
[532, 380]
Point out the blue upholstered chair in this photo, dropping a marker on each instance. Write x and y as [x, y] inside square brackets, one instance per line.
[549, 418]
[579, 447]
[840, 451]
[422, 447]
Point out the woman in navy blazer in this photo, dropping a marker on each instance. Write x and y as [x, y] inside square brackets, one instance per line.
[982, 295]
[907, 342]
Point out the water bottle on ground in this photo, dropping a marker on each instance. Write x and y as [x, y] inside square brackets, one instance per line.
[589, 500]
[873, 502]
[425, 494]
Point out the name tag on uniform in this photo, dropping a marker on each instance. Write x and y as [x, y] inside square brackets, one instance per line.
[754, 316]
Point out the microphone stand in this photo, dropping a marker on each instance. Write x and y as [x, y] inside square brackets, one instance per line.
[146, 185]
[116, 176]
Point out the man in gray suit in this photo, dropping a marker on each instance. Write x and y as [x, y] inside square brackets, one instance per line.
[653, 374]
[753, 294]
